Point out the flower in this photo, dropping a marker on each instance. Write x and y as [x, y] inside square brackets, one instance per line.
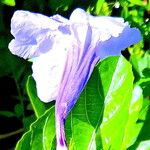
[64, 53]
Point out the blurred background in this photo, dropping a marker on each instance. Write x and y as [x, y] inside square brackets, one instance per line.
[16, 113]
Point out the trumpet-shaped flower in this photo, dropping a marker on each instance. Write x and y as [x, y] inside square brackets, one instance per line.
[64, 53]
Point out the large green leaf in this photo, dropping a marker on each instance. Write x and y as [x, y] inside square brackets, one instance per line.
[117, 88]
[85, 117]
[115, 77]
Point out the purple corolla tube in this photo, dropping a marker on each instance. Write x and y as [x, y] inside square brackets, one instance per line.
[64, 53]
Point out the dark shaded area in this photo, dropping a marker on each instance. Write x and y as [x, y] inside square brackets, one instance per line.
[9, 124]
[8, 92]
[7, 102]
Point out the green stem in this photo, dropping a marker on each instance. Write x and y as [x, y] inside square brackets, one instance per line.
[6, 135]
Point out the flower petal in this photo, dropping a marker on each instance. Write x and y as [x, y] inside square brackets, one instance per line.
[49, 67]
[47, 72]
[104, 26]
[79, 16]
[30, 46]
[33, 32]
[108, 25]
[115, 45]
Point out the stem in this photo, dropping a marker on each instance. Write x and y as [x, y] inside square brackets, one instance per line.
[6, 135]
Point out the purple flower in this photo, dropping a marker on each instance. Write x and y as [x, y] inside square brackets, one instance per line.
[64, 53]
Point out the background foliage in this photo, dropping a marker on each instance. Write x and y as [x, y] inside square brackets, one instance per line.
[110, 114]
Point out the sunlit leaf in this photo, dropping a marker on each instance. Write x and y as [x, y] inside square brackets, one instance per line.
[137, 2]
[118, 92]
[142, 70]
[140, 64]
[99, 6]
[133, 128]
[9, 2]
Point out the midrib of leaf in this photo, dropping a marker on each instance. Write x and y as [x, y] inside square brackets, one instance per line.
[85, 100]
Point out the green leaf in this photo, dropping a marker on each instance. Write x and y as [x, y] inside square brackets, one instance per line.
[60, 5]
[119, 79]
[133, 128]
[41, 133]
[24, 142]
[141, 64]
[145, 85]
[144, 121]
[137, 2]
[98, 6]
[85, 118]
[145, 131]
[27, 121]
[142, 69]
[43, 130]
[38, 106]
[9, 2]
[117, 82]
